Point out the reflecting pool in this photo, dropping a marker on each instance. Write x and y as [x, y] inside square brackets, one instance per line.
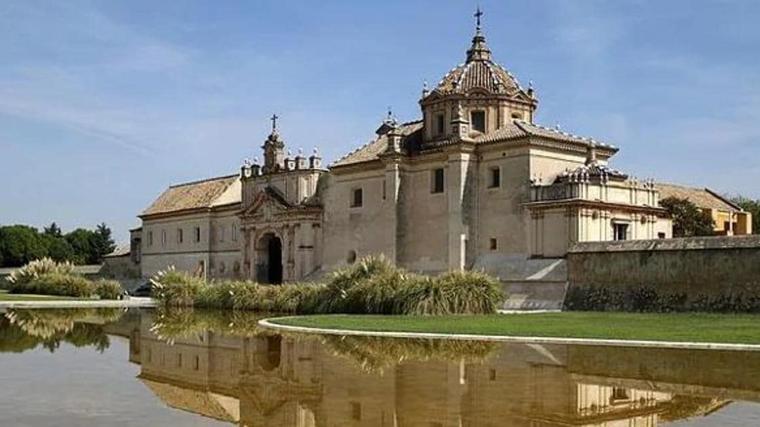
[184, 368]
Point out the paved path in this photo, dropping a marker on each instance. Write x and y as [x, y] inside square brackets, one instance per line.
[133, 302]
[267, 323]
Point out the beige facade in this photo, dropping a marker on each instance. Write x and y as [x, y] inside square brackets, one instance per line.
[473, 182]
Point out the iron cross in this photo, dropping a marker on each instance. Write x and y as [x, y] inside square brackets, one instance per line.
[274, 122]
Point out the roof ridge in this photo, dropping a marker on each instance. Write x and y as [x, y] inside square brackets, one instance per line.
[217, 178]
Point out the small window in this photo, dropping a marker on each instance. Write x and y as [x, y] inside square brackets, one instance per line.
[478, 120]
[436, 181]
[180, 235]
[517, 116]
[357, 198]
[179, 360]
[384, 190]
[234, 233]
[150, 238]
[356, 411]
[221, 268]
[221, 233]
[660, 235]
[493, 244]
[163, 237]
[439, 124]
[197, 234]
[197, 364]
[619, 393]
[620, 231]
[492, 374]
[351, 258]
[494, 177]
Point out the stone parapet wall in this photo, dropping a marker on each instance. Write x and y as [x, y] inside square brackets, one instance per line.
[704, 269]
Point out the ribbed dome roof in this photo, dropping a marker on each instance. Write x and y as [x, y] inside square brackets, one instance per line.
[478, 72]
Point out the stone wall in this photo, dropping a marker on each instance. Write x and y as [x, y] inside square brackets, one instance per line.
[694, 269]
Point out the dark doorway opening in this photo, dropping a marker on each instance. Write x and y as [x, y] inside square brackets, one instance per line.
[274, 264]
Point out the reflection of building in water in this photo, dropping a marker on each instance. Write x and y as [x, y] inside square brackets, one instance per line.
[288, 381]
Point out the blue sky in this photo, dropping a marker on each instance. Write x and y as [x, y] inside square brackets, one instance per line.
[104, 104]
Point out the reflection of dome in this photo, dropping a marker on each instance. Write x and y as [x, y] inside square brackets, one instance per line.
[478, 72]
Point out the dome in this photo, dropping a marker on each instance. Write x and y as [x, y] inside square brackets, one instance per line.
[479, 72]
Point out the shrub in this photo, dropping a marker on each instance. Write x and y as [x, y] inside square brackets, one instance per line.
[37, 268]
[372, 286]
[336, 293]
[176, 288]
[379, 294]
[108, 289]
[70, 285]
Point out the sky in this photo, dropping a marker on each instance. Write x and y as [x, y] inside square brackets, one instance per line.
[105, 104]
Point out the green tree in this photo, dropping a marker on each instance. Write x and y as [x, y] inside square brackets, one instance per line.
[80, 241]
[753, 207]
[103, 243]
[688, 220]
[58, 248]
[20, 244]
[53, 230]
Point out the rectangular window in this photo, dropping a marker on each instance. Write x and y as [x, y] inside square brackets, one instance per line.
[494, 177]
[493, 244]
[384, 191]
[620, 231]
[660, 235]
[439, 124]
[163, 237]
[180, 235]
[357, 198]
[478, 120]
[150, 238]
[221, 233]
[356, 411]
[234, 233]
[197, 234]
[436, 178]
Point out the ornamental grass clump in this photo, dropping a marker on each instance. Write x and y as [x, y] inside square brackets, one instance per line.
[108, 289]
[176, 288]
[336, 295]
[378, 294]
[37, 268]
[462, 292]
[58, 284]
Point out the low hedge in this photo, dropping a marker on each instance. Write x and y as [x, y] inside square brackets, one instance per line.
[650, 299]
[46, 277]
[372, 286]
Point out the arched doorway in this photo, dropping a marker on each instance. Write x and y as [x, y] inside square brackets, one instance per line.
[269, 259]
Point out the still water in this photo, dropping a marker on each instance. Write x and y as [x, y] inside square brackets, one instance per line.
[184, 368]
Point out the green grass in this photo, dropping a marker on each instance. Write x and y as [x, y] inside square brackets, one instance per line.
[5, 296]
[687, 327]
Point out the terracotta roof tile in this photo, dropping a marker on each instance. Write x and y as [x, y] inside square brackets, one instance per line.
[371, 150]
[704, 198]
[191, 195]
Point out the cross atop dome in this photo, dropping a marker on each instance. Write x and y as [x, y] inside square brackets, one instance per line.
[478, 13]
[274, 122]
[479, 51]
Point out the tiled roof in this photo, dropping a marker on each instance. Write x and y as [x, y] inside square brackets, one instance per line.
[478, 74]
[520, 128]
[371, 150]
[194, 195]
[120, 250]
[704, 198]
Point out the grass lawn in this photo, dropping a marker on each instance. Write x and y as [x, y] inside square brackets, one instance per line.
[712, 328]
[5, 296]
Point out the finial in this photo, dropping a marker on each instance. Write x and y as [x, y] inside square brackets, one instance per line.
[478, 13]
[256, 160]
[300, 151]
[390, 114]
[316, 151]
[557, 127]
[290, 153]
[247, 162]
[530, 84]
[274, 122]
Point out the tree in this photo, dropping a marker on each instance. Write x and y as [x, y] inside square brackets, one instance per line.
[20, 244]
[53, 230]
[688, 220]
[103, 243]
[81, 242]
[57, 247]
[753, 207]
